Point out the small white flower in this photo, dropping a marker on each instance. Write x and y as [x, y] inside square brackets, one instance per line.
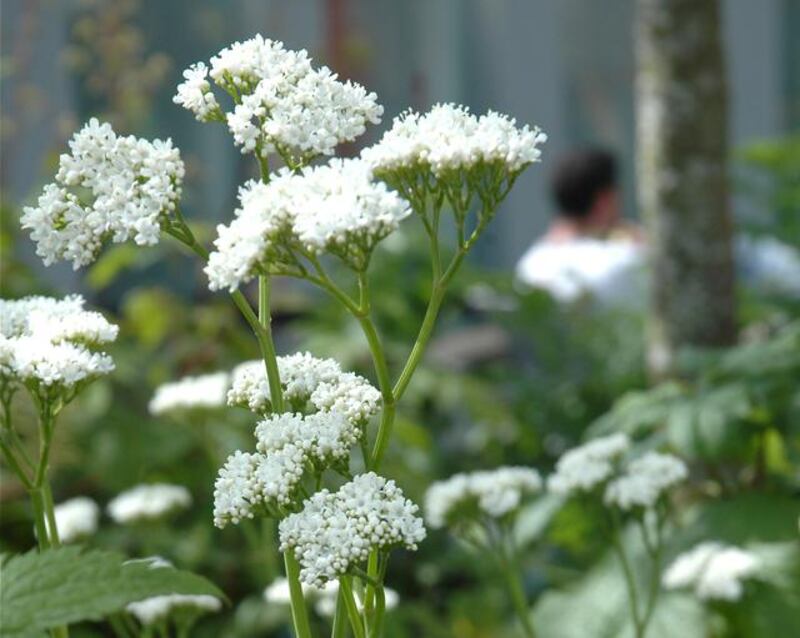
[337, 530]
[715, 571]
[76, 518]
[194, 392]
[108, 187]
[495, 493]
[583, 468]
[148, 502]
[195, 93]
[236, 489]
[645, 480]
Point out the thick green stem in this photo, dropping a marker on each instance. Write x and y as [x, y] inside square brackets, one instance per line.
[49, 510]
[339, 629]
[376, 627]
[39, 517]
[299, 612]
[370, 588]
[630, 583]
[518, 599]
[346, 591]
[385, 385]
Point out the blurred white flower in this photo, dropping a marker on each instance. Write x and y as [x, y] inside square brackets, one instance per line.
[583, 468]
[193, 392]
[108, 187]
[645, 480]
[152, 610]
[495, 493]
[148, 502]
[715, 571]
[76, 518]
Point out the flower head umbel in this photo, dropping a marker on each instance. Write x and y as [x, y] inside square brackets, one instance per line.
[45, 345]
[583, 468]
[205, 391]
[148, 502]
[282, 103]
[715, 571]
[645, 480]
[108, 187]
[309, 384]
[494, 493]
[336, 208]
[289, 445]
[336, 531]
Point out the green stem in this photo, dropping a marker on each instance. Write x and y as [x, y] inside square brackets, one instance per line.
[302, 628]
[39, 517]
[423, 336]
[346, 591]
[13, 463]
[369, 595]
[49, 511]
[630, 582]
[385, 385]
[339, 628]
[268, 346]
[376, 628]
[518, 599]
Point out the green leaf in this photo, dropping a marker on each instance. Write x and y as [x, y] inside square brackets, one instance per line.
[67, 585]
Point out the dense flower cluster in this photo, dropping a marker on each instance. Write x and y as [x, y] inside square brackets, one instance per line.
[335, 208]
[309, 384]
[715, 571]
[494, 493]
[76, 518]
[337, 530]
[146, 502]
[45, 342]
[108, 187]
[288, 445]
[583, 468]
[157, 609]
[283, 103]
[193, 392]
[449, 138]
[645, 480]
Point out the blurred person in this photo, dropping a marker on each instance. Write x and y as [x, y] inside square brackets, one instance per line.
[588, 249]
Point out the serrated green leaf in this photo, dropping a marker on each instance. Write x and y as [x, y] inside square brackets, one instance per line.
[67, 585]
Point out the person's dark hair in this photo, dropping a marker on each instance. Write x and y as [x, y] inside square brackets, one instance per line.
[579, 178]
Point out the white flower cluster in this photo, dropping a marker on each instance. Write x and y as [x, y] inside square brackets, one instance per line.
[494, 493]
[282, 103]
[336, 208]
[449, 137]
[158, 608]
[195, 95]
[288, 445]
[76, 518]
[638, 483]
[108, 187]
[307, 383]
[148, 502]
[583, 468]
[645, 480]
[715, 571]
[205, 391]
[324, 598]
[337, 530]
[45, 341]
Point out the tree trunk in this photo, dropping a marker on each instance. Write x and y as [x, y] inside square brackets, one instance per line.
[682, 176]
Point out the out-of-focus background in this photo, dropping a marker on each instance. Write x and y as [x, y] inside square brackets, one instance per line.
[513, 376]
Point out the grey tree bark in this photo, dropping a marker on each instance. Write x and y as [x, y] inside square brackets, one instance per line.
[681, 109]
